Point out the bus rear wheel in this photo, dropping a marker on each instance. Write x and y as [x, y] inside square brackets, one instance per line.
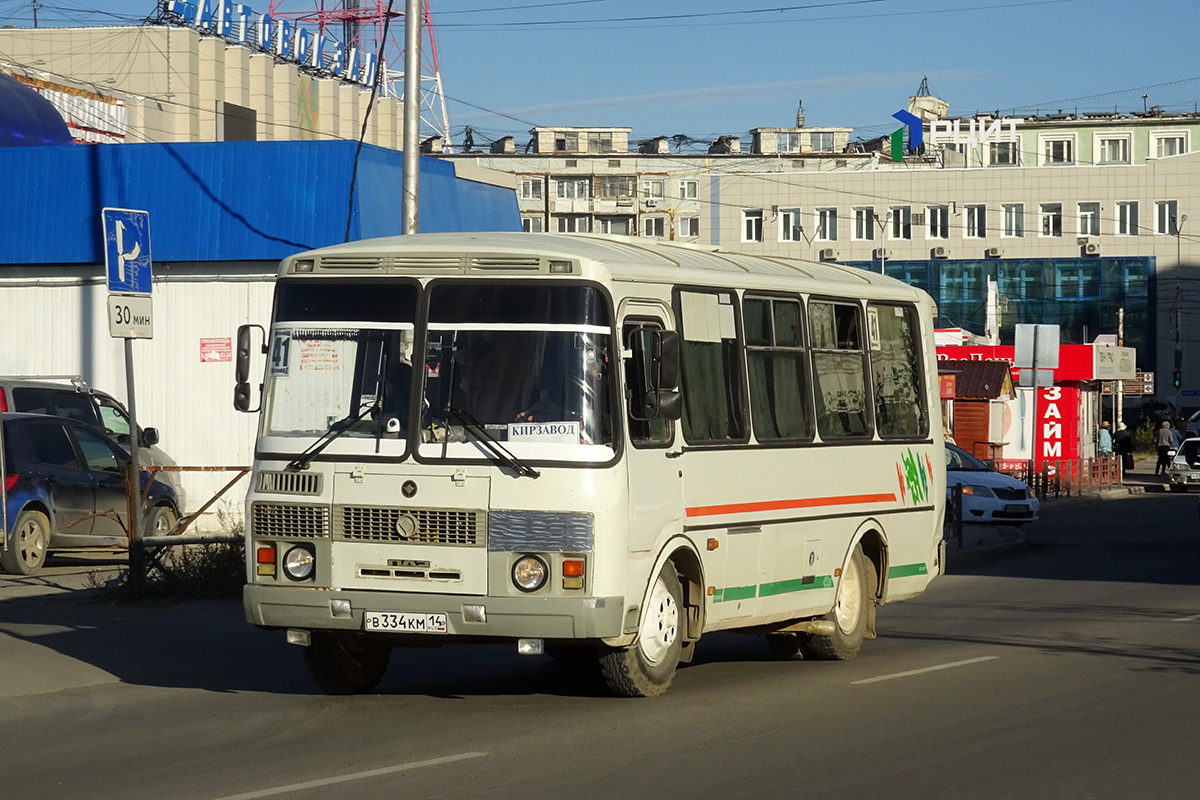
[346, 663]
[647, 668]
[851, 609]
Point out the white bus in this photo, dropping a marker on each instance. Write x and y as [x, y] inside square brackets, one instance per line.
[596, 446]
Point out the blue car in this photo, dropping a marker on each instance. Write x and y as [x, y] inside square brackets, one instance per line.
[64, 489]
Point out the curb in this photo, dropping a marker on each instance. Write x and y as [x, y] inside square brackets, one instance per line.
[1092, 497]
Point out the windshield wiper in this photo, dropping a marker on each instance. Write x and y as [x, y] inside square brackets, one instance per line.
[492, 445]
[335, 430]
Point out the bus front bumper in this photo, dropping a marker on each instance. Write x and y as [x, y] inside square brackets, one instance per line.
[502, 617]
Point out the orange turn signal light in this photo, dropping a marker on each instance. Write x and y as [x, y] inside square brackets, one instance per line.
[266, 555]
[572, 568]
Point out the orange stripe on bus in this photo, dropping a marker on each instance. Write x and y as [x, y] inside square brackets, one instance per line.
[782, 505]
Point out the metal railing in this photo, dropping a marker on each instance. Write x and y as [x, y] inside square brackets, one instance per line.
[1065, 477]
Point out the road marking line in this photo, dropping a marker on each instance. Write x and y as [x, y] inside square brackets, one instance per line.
[1192, 618]
[926, 669]
[371, 773]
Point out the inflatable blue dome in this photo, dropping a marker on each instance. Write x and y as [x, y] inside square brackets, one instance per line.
[27, 118]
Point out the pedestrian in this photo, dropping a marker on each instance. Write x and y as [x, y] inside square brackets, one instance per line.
[1164, 438]
[1123, 446]
[1105, 440]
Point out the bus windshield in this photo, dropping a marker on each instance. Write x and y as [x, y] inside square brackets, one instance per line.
[340, 362]
[527, 366]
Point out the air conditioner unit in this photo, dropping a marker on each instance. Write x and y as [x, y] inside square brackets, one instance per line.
[993, 252]
[880, 253]
[651, 204]
[1091, 249]
[828, 254]
[940, 252]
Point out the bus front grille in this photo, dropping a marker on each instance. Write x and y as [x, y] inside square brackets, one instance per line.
[412, 525]
[277, 482]
[284, 521]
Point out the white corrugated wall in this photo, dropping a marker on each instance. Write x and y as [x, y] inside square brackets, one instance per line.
[53, 321]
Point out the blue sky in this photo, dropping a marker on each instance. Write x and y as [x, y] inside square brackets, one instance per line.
[704, 68]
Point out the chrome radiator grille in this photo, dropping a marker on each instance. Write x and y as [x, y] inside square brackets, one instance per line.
[283, 520]
[413, 525]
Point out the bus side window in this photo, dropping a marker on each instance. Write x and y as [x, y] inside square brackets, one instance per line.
[642, 433]
[710, 371]
[839, 363]
[900, 401]
[777, 363]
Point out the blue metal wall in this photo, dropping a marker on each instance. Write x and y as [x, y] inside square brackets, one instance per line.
[226, 201]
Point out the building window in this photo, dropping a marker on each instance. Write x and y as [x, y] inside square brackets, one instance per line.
[689, 227]
[826, 225]
[1127, 218]
[939, 222]
[976, 222]
[787, 142]
[599, 142]
[821, 142]
[573, 223]
[614, 187]
[752, 226]
[573, 188]
[566, 141]
[1014, 220]
[1058, 152]
[654, 188]
[1112, 150]
[653, 226]
[775, 358]
[901, 222]
[1089, 219]
[1051, 219]
[864, 224]
[1170, 144]
[621, 226]
[531, 188]
[1167, 217]
[791, 229]
[532, 224]
[1004, 154]
[689, 190]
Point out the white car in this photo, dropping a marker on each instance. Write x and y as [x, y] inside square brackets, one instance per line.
[988, 496]
[1184, 469]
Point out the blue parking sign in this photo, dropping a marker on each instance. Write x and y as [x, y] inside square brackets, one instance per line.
[127, 250]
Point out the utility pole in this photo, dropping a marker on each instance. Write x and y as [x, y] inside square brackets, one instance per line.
[412, 113]
[1119, 402]
[35, 8]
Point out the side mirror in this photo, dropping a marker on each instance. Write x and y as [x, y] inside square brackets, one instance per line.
[149, 437]
[654, 380]
[241, 391]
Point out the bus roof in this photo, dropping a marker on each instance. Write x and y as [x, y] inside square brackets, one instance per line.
[600, 257]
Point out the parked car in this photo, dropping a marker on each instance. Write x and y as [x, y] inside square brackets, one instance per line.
[74, 399]
[64, 488]
[1184, 468]
[988, 496]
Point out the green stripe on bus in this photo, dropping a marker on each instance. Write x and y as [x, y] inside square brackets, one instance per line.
[794, 585]
[907, 571]
[734, 593]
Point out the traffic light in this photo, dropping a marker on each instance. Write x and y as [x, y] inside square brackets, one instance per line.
[1177, 379]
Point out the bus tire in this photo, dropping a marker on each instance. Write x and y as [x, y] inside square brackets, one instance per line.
[647, 668]
[850, 613]
[346, 663]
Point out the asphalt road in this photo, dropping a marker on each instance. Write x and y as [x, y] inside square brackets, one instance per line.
[1070, 669]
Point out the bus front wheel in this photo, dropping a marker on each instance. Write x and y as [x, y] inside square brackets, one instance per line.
[647, 667]
[851, 609]
[346, 663]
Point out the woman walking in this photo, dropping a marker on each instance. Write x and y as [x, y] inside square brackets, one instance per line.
[1164, 437]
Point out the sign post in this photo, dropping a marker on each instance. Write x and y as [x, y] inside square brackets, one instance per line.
[130, 316]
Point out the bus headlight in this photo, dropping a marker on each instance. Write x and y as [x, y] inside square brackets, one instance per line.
[529, 573]
[299, 562]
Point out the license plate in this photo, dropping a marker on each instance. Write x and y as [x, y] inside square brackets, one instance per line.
[404, 623]
[1016, 509]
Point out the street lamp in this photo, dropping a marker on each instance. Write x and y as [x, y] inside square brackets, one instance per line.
[884, 227]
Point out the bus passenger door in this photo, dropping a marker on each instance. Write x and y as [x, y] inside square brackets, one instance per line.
[653, 446]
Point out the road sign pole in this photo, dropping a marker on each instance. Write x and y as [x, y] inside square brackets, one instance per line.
[137, 556]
